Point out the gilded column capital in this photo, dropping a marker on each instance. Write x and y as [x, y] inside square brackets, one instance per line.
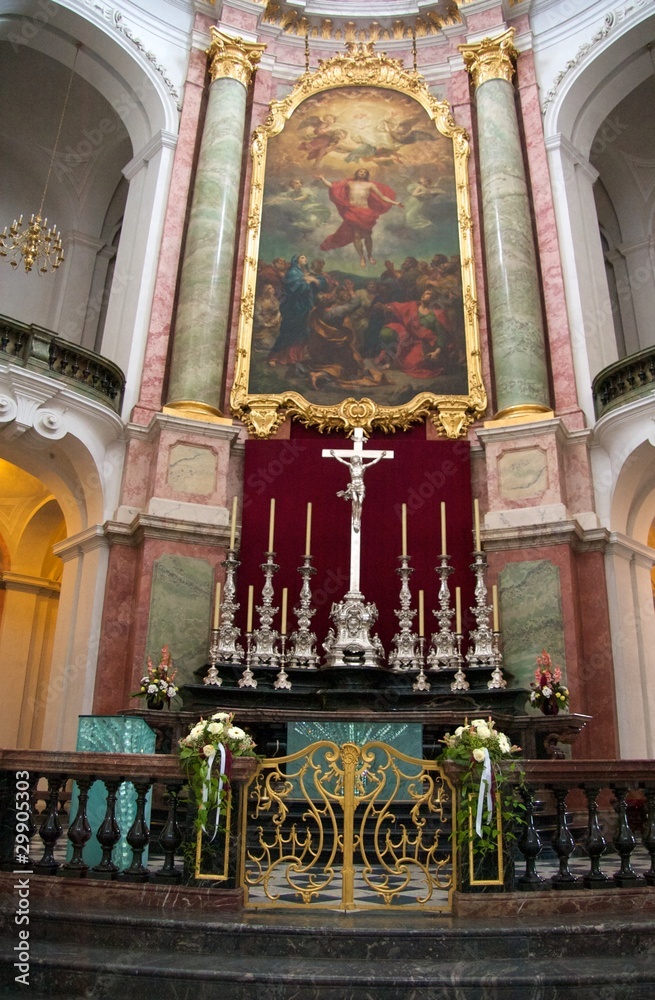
[233, 58]
[491, 59]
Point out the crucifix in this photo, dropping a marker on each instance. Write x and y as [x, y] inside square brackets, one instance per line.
[358, 462]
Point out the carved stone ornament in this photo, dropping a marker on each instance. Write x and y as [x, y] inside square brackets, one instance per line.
[233, 58]
[261, 399]
[491, 59]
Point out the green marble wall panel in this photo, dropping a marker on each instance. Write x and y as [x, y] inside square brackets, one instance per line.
[180, 611]
[511, 269]
[531, 602]
[111, 734]
[206, 281]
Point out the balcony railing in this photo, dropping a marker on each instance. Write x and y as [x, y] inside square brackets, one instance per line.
[43, 351]
[624, 381]
[590, 825]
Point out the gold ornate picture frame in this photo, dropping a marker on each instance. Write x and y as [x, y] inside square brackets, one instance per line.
[359, 305]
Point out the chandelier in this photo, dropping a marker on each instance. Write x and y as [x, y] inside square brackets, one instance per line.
[37, 244]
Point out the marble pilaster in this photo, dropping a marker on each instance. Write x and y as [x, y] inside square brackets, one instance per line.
[512, 278]
[199, 346]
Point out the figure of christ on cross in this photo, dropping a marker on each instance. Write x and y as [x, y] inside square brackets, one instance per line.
[360, 202]
[358, 463]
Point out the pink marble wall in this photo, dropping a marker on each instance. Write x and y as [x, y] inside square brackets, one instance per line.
[161, 317]
[589, 664]
[558, 334]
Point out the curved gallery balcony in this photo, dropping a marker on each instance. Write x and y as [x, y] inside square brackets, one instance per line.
[45, 352]
[624, 381]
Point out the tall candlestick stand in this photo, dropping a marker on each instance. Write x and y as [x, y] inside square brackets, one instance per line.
[405, 646]
[282, 682]
[264, 639]
[443, 652]
[302, 645]
[247, 680]
[485, 652]
[224, 646]
[421, 683]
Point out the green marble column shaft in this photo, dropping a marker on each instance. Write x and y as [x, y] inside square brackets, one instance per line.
[201, 324]
[517, 333]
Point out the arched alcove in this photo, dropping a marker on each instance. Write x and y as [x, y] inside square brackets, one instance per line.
[113, 159]
[30, 574]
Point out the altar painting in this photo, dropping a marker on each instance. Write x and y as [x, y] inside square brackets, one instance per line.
[356, 288]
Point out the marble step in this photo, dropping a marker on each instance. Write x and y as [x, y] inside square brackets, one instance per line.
[64, 970]
[397, 935]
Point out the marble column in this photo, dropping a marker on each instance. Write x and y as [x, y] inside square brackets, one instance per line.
[201, 325]
[516, 321]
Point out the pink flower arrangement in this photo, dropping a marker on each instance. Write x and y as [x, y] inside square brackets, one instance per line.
[547, 687]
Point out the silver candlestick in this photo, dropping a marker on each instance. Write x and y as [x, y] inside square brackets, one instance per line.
[247, 680]
[443, 652]
[264, 645]
[227, 648]
[482, 654]
[404, 649]
[497, 680]
[282, 681]
[212, 676]
[421, 683]
[460, 682]
[302, 646]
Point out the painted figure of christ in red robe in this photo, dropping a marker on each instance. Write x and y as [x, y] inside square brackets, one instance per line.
[360, 202]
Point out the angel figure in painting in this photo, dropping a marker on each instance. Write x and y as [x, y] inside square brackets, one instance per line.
[360, 202]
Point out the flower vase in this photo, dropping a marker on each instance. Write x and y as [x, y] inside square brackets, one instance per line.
[154, 704]
[550, 706]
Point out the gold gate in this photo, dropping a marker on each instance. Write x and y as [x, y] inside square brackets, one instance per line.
[348, 827]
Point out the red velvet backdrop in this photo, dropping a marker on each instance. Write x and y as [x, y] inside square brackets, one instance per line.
[421, 474]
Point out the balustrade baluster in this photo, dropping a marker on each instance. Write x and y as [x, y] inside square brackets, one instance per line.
[563, 845]
[63, 361]
[108, 835]
[138, 836]
[52, 355]
[529, 846]
[75, 365]
[4, 340]
[170, 839]
[595, 843]
[79, 832]
[649, 835]
[50, 829]
[624, 841]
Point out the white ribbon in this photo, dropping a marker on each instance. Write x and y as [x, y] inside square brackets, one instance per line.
[207, 786]
[485, 783]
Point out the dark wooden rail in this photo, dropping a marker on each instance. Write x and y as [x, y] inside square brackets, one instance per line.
[42, 350]
[20, 773]
[625, 380]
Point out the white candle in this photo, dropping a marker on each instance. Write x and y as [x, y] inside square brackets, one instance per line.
[233, 525]
[494, 601]
[251, 595]
[421, 614]
[271, 525]
[283, 627]
[458, 610]
[404, 529]
[217, 605]
[308, 531]
[443, 528]
[476, 516]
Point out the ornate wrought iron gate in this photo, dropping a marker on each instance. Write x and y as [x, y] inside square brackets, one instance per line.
[348, 827]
